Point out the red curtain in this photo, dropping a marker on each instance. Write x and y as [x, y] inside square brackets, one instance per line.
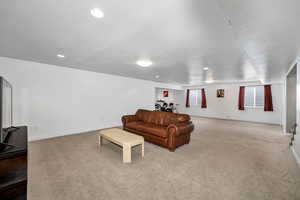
[268, 98]
[203, 102]
[242, 98]
[187, 103]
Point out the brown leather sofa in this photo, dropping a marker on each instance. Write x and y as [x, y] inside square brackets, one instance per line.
[163, 128]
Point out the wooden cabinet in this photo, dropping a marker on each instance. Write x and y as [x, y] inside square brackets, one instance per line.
[13, 167]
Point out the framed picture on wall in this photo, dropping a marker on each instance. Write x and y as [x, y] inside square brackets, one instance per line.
[165, 93]
[220, 93]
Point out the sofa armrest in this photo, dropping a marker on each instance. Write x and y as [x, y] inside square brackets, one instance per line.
[180, 128]
[129, 118]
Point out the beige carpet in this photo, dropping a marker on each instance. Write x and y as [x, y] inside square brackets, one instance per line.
[224, 160]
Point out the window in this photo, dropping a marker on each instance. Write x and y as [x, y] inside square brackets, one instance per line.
[195, 97]
[254, 97]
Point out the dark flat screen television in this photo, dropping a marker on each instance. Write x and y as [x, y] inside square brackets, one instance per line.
[6, 115]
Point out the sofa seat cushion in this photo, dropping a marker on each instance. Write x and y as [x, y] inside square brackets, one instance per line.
[153, 129]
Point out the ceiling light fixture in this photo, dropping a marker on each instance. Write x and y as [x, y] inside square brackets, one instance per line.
[157, 76]
[205, 68]
[209, 81]
[97, 13]
[144, 63]
[60, 55]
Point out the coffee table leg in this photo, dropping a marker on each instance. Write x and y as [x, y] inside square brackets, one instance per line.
[100, 141]
[126, 153]
[143, 149]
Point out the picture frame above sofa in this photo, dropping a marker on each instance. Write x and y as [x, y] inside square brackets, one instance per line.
[165, 93]
[220, 93]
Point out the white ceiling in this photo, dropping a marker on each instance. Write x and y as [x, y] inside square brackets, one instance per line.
[236, 39]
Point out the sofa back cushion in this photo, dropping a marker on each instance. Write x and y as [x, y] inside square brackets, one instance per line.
[161, 118]
[142, 115]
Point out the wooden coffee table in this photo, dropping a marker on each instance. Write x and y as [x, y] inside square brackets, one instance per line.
[122, 138]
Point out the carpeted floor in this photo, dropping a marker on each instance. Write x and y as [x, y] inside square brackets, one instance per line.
[226, 160]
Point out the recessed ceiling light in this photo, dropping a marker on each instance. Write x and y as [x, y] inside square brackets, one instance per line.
[144, 63]
[205, 68]
[97, 13]
[209, 81]
[60, 55]
[157, 76]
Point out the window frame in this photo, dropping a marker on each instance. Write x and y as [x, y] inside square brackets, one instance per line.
[254, 98]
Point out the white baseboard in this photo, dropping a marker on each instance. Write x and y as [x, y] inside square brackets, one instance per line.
[297, 157]
[38, 138]
[239, 120]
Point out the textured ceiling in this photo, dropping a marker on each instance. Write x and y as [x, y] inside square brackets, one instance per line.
[237, 40]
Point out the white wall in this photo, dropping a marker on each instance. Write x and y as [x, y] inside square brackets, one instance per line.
[55, 101]
[297, 136]
[227, 107]
[286, 111]
[291, 92]
[179, 97]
